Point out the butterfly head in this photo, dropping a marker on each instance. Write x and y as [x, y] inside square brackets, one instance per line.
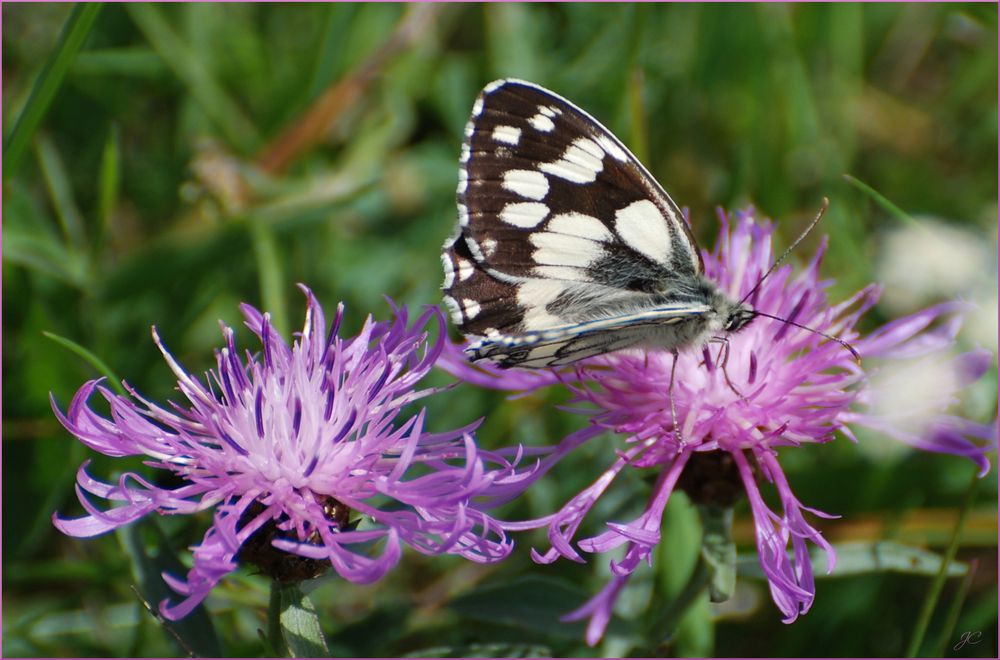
[738, 318]
[731, 316]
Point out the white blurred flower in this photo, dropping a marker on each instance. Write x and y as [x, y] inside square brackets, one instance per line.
[931, 261]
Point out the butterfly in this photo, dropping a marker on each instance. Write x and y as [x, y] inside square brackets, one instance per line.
[566, 247]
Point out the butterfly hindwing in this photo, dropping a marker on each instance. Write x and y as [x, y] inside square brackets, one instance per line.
[480, 304]
[565, 344]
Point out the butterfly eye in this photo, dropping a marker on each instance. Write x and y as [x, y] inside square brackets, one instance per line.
[739, 319]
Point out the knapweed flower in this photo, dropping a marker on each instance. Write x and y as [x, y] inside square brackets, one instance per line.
[772, 386]
[300, 452]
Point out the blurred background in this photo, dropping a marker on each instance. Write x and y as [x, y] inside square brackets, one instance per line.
[176, 160]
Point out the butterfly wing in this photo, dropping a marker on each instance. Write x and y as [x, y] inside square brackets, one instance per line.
[569, 343]
[559, 224]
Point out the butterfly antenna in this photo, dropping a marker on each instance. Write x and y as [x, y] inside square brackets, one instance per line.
[857, 356]
[777, 262]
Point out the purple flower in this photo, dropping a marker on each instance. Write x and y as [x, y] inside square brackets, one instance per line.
[773, 386]
[292, 448]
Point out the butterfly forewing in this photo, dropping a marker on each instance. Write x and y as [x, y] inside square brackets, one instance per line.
[559, 225]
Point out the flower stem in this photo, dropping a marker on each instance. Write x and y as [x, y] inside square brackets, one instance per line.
[273, 620]
[935, 591]
[948, 629]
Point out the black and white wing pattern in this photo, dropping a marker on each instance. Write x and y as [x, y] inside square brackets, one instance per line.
[566, 246]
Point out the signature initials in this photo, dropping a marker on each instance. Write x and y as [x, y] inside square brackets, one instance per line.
[968, 637]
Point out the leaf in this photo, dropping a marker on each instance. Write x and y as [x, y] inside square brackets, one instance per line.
[56, 178]
[512, 37]
[74, 33]
[194, 633]
[43, 253]
[719, 551]
[680, 620]
[270, 274]
[865, 557]
[129, 61]
[531, 602]
[109, 180]
[298, 622]
[91, 359]
[224, 112]
[497, 650]
[881, 200]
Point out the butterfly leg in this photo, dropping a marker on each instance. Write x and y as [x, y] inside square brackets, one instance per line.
[670, 394]
[722, 359]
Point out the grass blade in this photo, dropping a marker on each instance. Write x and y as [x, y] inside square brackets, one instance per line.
[270, 273]
[60, 191]
[948, 629]
[195, 633]
[93, 360]
[930, 601]
[881, 200]
[109, 181]
[74, 33]
[205, 89]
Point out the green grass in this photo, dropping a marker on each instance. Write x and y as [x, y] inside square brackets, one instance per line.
[159, 170]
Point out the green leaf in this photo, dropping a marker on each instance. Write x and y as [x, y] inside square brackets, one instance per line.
[194, 633]
[331, 53]
[881, 200]
[531, 602]
[944, 568]
[680, 619]
[719, 551]
[866, 557]
[677, 552]
[90, 358]
[133, 61]
[204, 88]
[297, 622]
[270, 273]
[512, 39]
[42, 252]
[498, 650]
[109, 179]
[60, 191]
[74, 33]
[859, 558]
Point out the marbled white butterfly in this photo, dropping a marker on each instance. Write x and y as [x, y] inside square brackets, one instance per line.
[566, 246]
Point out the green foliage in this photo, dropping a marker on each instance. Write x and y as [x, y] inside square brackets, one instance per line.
[159, 168]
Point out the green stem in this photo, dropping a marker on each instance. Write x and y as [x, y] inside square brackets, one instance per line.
[930, 601]
[77, 27]
[948, 629]
[269, 273]
[274, 621]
